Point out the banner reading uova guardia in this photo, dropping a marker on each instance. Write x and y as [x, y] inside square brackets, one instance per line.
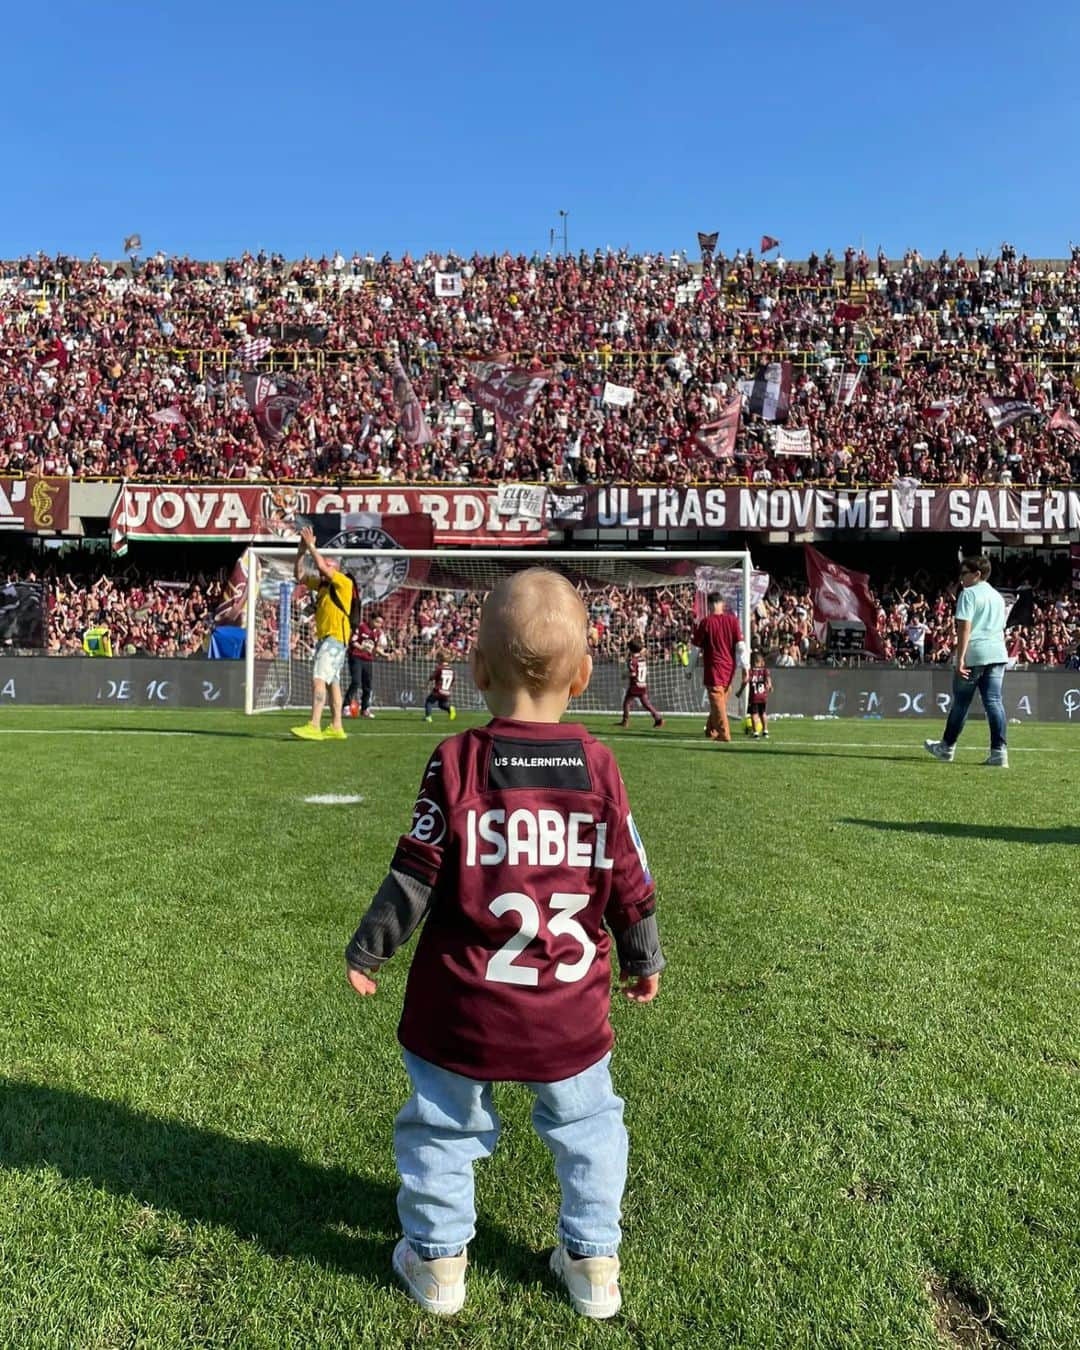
[261, 514]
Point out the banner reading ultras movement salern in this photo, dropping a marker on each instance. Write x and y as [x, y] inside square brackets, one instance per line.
[249, 513]
[750, 508]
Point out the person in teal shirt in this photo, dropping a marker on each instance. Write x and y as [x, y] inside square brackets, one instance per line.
[979, 662]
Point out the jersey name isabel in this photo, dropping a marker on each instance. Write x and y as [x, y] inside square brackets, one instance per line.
[541, 838]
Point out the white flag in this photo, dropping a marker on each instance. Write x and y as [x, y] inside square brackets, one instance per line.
[795, 442]
[524, 501]
[448, 284]
[618, 394]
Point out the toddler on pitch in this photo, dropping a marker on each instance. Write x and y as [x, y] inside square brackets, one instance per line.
[760, 682]
[522, 856]
[637, 690]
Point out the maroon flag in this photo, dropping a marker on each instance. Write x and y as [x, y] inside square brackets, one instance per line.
[707, 242]
[132, 243]
[768, 243]
[1003, 412]
[719, 437]
[840, 594]
[939, 409]
[273, 403]
[234, 597]
[845, 313]
[507, 392]
[1061, 421]
[411, 417]
[169, 417]
[847, 384]
[55, 355]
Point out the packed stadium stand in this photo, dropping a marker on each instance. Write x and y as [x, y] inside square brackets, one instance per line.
[133, 369]
[172, 614]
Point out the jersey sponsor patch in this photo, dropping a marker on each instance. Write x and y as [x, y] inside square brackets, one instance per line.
[429, 823]
[538, 764]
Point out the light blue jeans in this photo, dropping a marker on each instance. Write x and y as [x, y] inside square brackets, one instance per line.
[449, 1122]
[987, 680]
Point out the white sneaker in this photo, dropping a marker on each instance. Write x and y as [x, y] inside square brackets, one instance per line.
[438, 1286]
[592, 1282]
[940, 750]
[997, 759]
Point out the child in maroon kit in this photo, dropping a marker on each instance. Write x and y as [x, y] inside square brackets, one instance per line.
[523, 855]
[637, 668]
[760, 682]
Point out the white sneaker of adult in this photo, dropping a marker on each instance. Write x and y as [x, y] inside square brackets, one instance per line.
[438, 1286]
[592, 1282]
[997, 759]
[940, 750]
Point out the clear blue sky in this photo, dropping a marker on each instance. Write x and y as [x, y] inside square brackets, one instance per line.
[211, 127]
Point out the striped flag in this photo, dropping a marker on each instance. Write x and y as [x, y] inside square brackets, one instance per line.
[768, 394]
[847, 384]
[251, 350]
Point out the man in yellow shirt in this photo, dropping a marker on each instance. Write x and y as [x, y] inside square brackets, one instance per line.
[334, 589]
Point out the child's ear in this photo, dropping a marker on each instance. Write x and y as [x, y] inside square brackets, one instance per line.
[582, 676]
[480, 673]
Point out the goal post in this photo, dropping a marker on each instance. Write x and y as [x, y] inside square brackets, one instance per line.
[429, 600]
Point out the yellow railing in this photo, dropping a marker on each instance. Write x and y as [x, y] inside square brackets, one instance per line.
[316, 360]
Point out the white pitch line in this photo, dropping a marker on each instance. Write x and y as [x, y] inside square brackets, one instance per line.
[85, 731]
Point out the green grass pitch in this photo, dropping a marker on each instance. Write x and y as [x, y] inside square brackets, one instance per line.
[854, 1107]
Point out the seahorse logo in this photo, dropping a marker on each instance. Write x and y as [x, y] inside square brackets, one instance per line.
[41, 503]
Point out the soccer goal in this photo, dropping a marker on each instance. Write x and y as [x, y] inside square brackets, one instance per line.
[429, 601]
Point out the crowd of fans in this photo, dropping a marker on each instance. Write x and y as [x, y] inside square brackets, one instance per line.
[90, 352]
[162, 616]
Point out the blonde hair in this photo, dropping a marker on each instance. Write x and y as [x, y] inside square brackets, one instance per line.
[533, 630]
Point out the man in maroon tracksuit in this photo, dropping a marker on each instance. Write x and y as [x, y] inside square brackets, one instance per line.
[522, 858]
[366, 642]
[720, 637]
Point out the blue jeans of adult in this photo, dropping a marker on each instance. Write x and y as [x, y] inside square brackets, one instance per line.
[987, 680]
[450, 1122]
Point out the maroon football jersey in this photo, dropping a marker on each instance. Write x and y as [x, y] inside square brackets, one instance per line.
[442, 681]
[758, 680]
[524, 831]
[638, 670]
[362, 642]
[717, 635]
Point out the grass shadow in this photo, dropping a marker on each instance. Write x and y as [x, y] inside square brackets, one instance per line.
[772, 750]
[265, 1194]
[1008, 834]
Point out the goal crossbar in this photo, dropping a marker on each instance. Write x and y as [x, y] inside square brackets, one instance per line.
[583, 562]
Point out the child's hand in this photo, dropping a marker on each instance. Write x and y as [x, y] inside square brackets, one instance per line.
[362, 983]
[639, 988]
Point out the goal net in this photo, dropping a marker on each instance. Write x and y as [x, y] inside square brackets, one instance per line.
[429, 603]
